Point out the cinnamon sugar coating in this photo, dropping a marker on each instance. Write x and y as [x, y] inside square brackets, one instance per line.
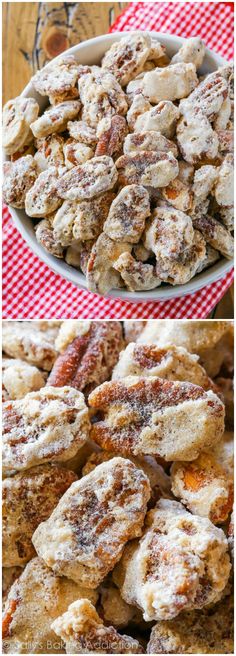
[85, 535]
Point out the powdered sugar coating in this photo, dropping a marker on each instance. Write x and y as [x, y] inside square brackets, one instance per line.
[32, 341]
[125, 58]
[88, 180]
[85, 535]
[147, 168]
[18, 114]
[31, 608]
[183, 563]
[19, 177]
[83, 632]
[101, 276]
[28, 499]
[204, 486]
[43, 198]
[45, 426]
[127, 214]
[55, 118]
[151, 416]
[20, 377]
[170, 363]
[136, 275]
[58, 79]
[207, 631]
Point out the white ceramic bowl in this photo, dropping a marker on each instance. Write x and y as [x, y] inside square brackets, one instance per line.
[90, 52]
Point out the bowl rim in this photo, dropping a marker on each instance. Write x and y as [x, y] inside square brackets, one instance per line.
[73, 275]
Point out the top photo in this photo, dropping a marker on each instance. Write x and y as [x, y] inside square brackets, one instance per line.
[118, 160]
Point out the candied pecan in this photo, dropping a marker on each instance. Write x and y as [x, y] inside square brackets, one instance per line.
[45, 426]
[192, 50]
[20, 377]
[127, 214]
[149, 140]
[147, 168]
[215, 234]
[180, 563]
[42, 198]
[125, 58]
[76, 153]
[28, 499]
[31, 607]
[56, 118]
[204, 486]
[33, 341]
[58, 79]
[83, 631]
[162, 117]
[112, 136]
[49, 152]
[170, 363]
[81, 132]
[137, 415]
[19, 177]
[45, 237]
[88, 180]
[196, 138]
[136, 275]
[89, 359]
[106, 507]
[101, 275]
[224, 187]
[101, 95]
[169, 83]
[18, 114]
[207, 98]
[207, 631]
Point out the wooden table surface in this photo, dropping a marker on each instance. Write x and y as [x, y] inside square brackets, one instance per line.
[35, 32]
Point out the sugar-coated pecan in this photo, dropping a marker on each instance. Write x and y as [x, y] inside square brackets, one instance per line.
[180, 563]
[147, 168]
[89, 359]
[83, 631]
[127, 214]
[28, 499]
[56, 118]
[19, 177]
[58, 79]
[88, 180]
[125, 58]
[144, 416]
[137, 276]
[105, 507]
[33, 595]
[45, 426]
[33, 341]
[170, 83]
[18, 114]
[112, 133]
[207, 631]
[192, 51]
[215, 234]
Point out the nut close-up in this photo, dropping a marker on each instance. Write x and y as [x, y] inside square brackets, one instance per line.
[118, 487]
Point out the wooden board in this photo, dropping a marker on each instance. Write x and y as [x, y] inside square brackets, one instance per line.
[35, 32]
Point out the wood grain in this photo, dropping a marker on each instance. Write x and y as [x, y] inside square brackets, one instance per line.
[35, 32]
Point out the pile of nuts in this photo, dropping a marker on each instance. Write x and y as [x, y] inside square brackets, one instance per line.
[129, 170]
[118, 487]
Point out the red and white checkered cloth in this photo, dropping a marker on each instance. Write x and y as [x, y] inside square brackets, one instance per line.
[30, 289]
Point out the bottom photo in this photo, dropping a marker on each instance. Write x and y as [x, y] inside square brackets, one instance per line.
[117, 488]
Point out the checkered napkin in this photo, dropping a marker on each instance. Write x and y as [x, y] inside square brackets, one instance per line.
[30, 289]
